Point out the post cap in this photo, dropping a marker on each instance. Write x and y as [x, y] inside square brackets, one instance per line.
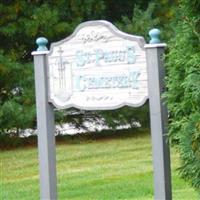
[42, 42]
[155, 36]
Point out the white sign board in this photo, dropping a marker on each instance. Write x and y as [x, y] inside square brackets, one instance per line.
[97, 67]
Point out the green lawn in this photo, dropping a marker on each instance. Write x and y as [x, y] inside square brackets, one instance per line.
[106, 169]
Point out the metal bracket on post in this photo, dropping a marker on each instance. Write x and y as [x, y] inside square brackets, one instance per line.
[45, 124]
[159, 118]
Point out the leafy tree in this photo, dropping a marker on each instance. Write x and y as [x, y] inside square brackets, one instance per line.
[16, 99]
[183, 66]
[115, 9]
[22, 21]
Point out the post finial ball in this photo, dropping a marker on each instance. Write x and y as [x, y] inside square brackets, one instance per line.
[42, 42]
[155, 36]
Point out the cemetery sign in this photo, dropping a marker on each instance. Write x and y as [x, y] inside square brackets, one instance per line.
[97, 67]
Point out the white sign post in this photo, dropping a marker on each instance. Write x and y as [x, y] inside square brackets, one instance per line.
[99, 68]
[158, 118]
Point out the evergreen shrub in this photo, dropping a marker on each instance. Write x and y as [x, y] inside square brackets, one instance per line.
[183, 95]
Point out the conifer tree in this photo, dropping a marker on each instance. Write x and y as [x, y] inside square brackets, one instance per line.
[183, 82]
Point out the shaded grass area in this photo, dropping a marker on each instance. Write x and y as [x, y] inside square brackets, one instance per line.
[100, 168]
[8, 142]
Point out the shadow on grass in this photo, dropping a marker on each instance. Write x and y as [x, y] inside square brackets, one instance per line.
[7, 142]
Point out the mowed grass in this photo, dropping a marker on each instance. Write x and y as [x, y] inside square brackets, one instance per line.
[106, 169]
